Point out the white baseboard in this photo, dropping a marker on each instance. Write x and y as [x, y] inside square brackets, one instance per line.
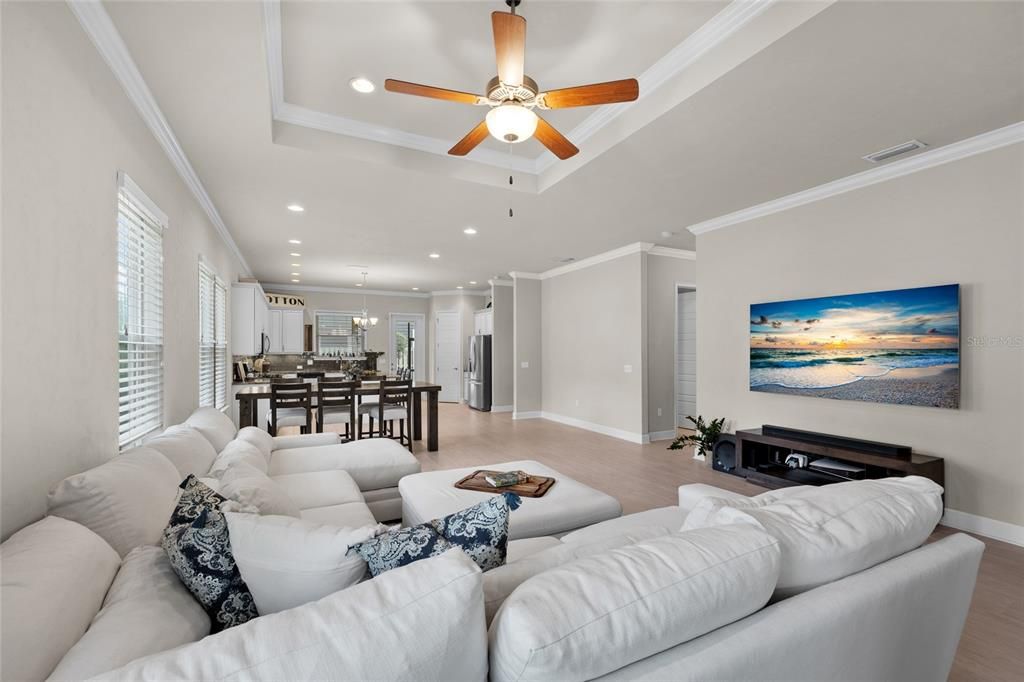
[622, 434]
[990, 528]
[527, 415]
[661, 435]
[502, 408]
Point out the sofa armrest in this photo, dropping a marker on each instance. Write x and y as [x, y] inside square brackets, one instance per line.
[305, 440]
[690, 495]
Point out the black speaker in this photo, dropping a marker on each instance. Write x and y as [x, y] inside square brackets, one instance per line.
[723, 455]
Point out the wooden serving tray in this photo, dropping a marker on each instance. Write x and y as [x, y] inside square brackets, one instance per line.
[535, 486]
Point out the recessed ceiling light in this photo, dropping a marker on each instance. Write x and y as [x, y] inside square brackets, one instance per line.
[458, 287]
[470, 230]
[362, 85]
[295, 274]
[415, 288]
[295, 208]
[472, 282]
[296, 281]
[435, 255]
[295, 255]
[359, 284]
[296, 265]
[294, 241]
[666, 234]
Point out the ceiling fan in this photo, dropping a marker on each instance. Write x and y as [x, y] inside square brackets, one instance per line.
[513, 96]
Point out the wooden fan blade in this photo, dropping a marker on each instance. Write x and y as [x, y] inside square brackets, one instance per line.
[406, 88]
[509, 46]
[587, 95]
[466, 144]
[555, 141]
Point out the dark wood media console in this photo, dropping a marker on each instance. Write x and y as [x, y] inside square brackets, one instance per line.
[761, 458]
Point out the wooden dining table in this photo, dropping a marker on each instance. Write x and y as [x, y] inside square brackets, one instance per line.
[250, 395]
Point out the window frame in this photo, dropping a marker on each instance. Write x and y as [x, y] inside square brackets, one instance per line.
[212, 303]
[361, 335]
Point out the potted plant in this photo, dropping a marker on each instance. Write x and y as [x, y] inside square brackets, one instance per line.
[703, 440]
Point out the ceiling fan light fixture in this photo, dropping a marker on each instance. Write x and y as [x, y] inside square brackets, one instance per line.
[511, 122]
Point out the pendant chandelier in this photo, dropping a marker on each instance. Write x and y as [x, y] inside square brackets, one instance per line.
[364, 321]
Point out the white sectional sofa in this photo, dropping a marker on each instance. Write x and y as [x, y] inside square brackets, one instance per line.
[630, 598]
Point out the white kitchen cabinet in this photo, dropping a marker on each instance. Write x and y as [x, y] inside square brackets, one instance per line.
[292, 331]
[483, 322]
[274, 331]
[248, 319]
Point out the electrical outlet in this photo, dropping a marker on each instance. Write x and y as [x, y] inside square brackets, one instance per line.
[659, 411]
[524, 365]
[628, 369]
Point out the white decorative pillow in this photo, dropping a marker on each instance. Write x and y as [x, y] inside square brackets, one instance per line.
[500, 582]
[420, 622]
[249, 486]
[288, 562]
[238, 451]
[55, 573]
[147, 610]
[263, 441]
[126, 500]
[187, 449]
[215, 426]
[829, 532]
[595, 615]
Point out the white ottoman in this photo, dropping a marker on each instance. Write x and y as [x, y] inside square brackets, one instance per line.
[566, 506]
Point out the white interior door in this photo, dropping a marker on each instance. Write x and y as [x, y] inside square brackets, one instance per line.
[406, 331]
[686, 357]
[448, 356]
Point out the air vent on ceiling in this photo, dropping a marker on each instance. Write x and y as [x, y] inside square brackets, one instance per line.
[568, 259]
[898, 150]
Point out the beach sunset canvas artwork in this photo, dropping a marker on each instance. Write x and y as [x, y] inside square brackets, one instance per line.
[900, 346]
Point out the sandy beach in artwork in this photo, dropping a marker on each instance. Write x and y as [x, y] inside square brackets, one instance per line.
[936, 386]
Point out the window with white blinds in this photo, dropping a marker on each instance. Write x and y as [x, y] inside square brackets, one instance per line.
[140, 324]
[336, 335]
[213, 344]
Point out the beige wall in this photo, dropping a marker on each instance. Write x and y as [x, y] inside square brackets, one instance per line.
[502, 341]
[463, 303]
[527, 328]
[379, 306]
[664, 274]
[591, 327]
[961, 222]
[67, 129]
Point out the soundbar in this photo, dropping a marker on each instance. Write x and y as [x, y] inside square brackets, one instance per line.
[866, 446]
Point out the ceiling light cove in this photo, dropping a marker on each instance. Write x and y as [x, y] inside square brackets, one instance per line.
[363, 86]
[469, 230]
[296, 208]
[435, 255]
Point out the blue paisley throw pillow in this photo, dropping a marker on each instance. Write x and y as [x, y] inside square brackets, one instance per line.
[480, 531]
[199, 549]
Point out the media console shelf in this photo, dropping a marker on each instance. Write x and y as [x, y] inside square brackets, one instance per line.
[761, 458]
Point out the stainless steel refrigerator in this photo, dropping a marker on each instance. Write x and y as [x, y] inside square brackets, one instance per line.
[480, 372]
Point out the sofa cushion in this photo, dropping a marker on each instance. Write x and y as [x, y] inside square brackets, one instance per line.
[288, 562]
[829, 532]
[55, 573]
[216, 426]
[521, 549]
[305, 440]
[595, 615]
[373, 463]
[256, 436]
[665, 519]
[235, 452]
[319, 488]
[502, 581]
[250, 487]
[147, 610]
[349, 514]
[187, 449]
[126, 500]
[422, 622]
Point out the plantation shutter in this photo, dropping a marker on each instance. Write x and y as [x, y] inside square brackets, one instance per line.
[220, 304]
[140, 226]
[336, 335]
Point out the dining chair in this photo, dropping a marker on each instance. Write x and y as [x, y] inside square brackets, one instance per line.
[291, 404]
[394, 403]
[336, 404]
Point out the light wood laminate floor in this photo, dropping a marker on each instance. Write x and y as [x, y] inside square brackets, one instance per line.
[647, 476]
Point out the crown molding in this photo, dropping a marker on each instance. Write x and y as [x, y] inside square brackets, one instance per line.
[668, 252]
[994, 139]
[299, 288]
[98, 25]
[458, 292]
[499, 283]
[524, 275]
[636, 247]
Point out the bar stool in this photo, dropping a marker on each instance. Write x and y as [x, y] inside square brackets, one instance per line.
[291, 403]
[394, 402]
[336, 404]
